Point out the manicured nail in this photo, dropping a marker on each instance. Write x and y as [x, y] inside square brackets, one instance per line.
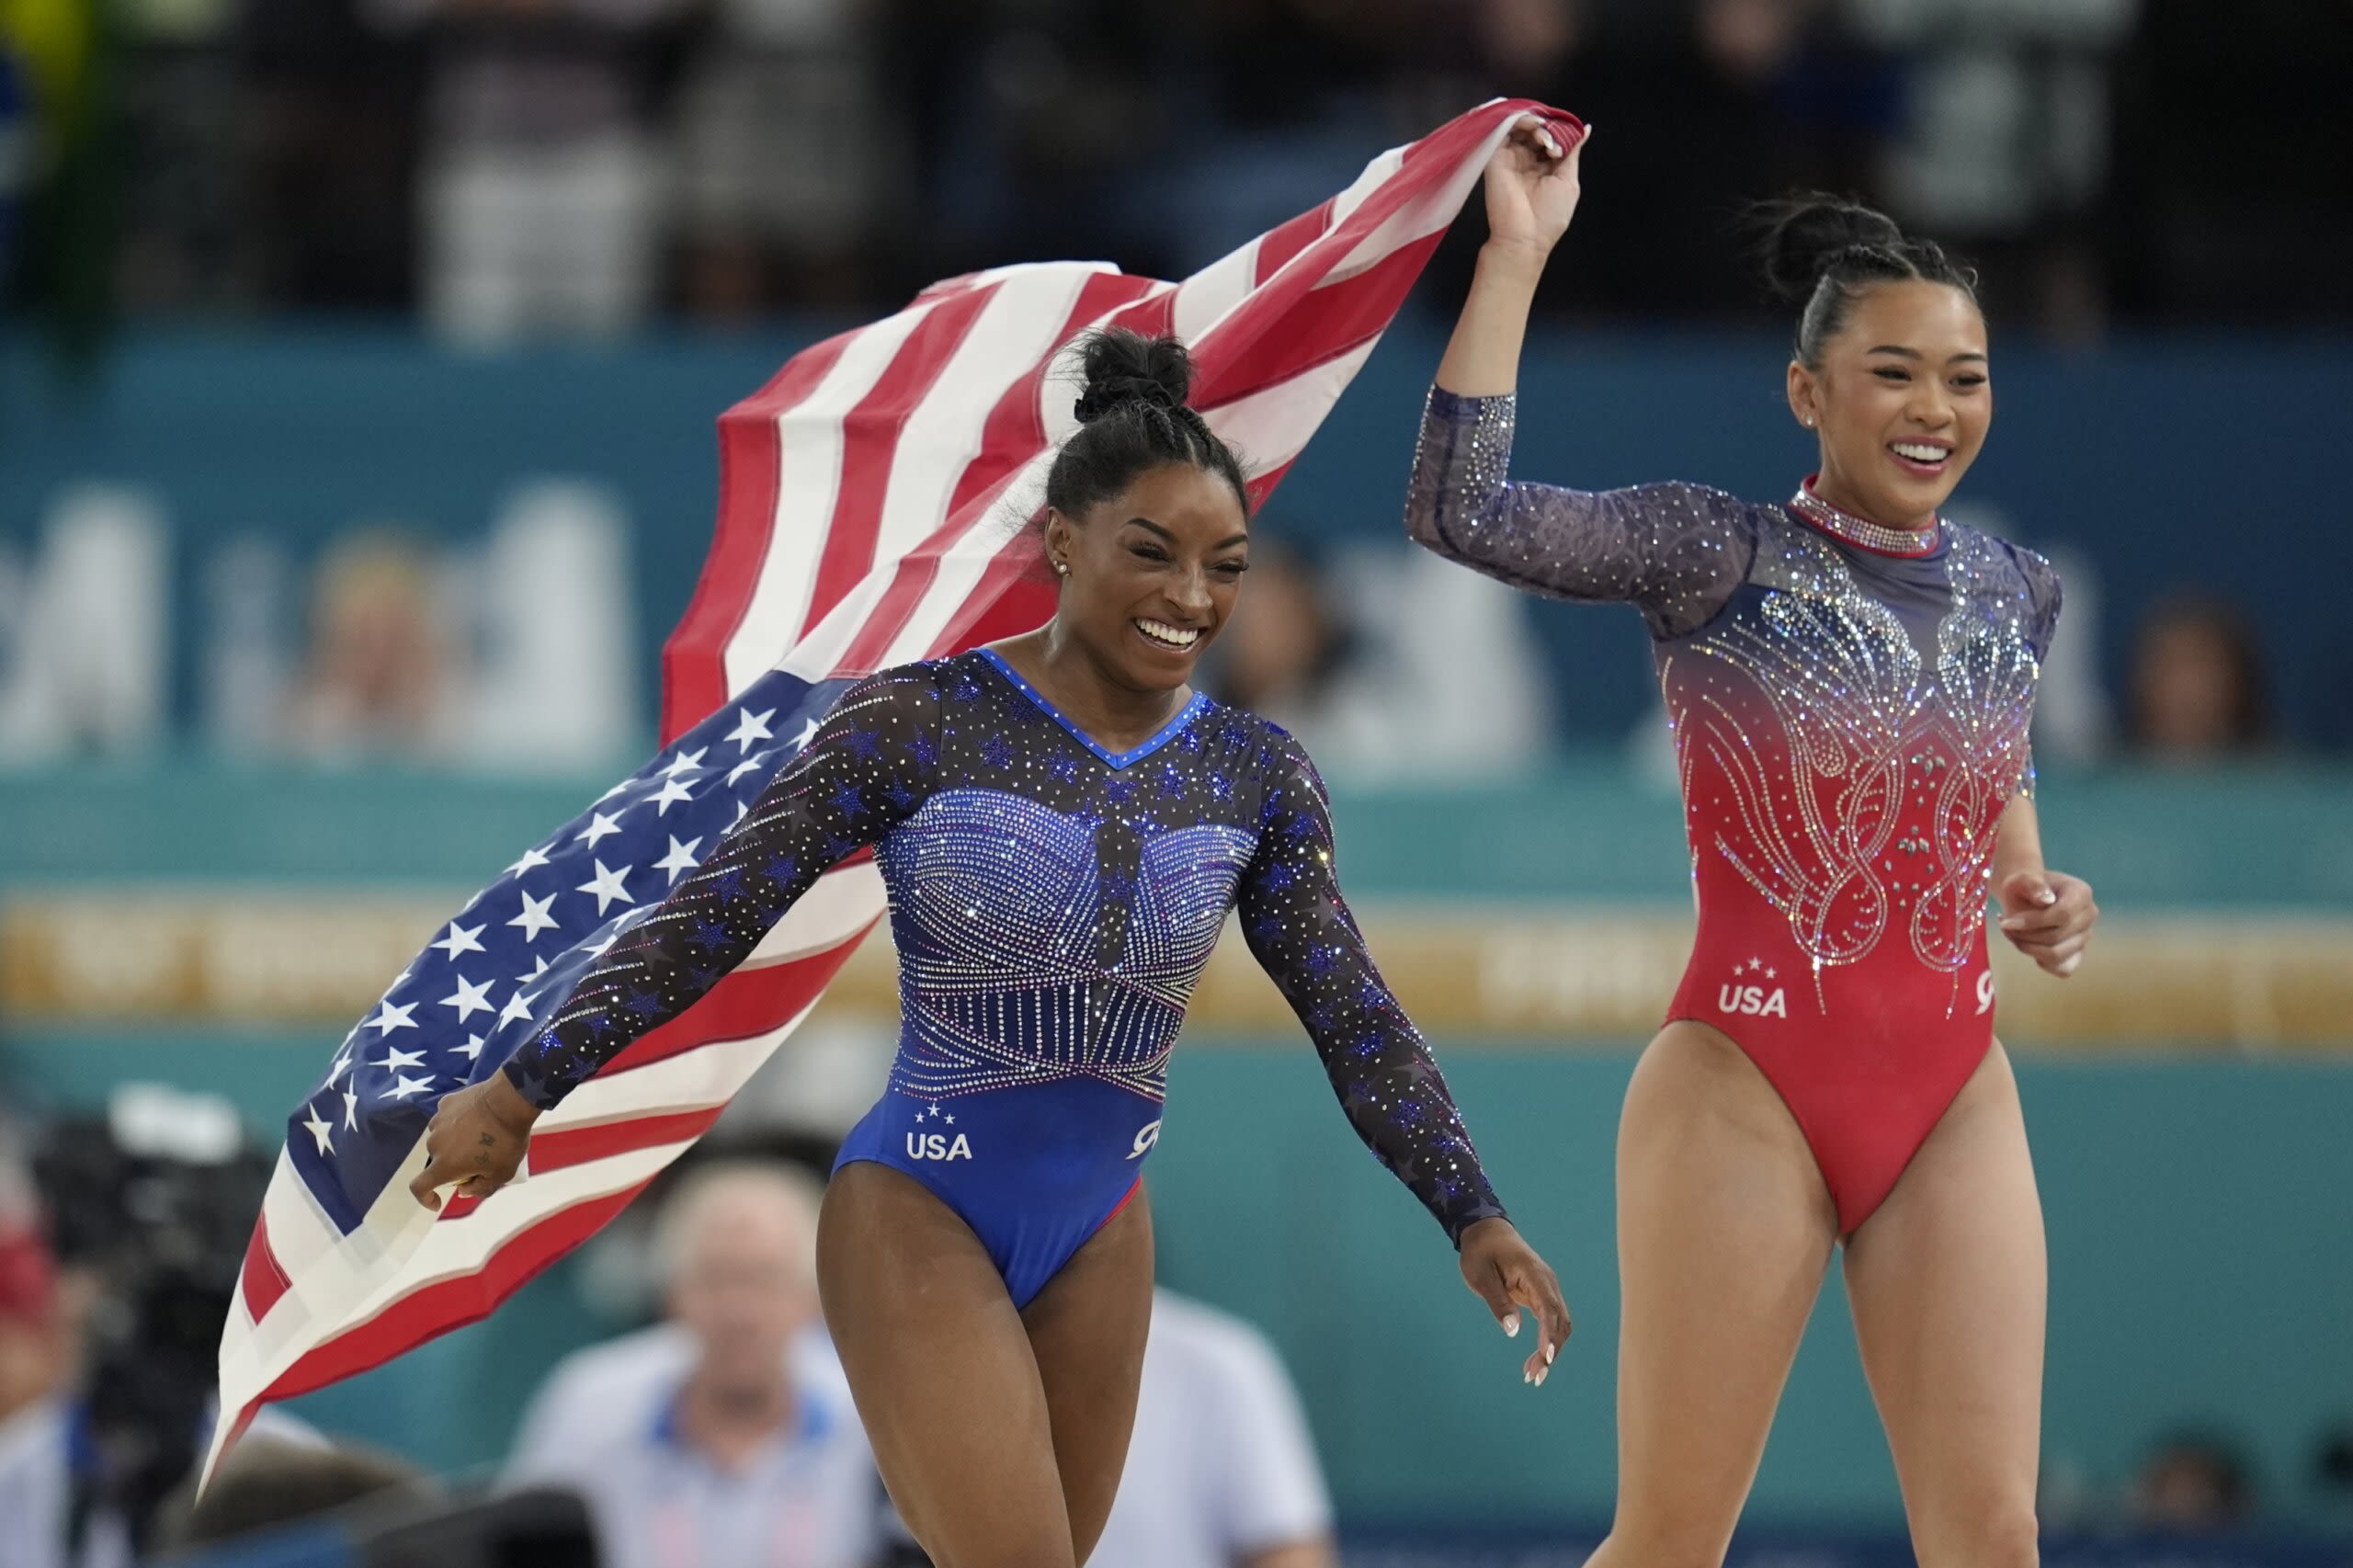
[1541, 1373]
[2046, 896]
[1548, 1355]
[1511, 1325]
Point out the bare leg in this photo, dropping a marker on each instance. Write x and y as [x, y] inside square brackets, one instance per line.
[952, 1395]
[1725, 1229]
[1948, 1282]
[1087, 1328]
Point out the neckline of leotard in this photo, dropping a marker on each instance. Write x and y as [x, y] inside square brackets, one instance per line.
[1861, 532]
[1161, 737]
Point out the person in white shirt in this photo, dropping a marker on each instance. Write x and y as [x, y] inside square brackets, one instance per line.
[1221, 1472]
[725, 1437]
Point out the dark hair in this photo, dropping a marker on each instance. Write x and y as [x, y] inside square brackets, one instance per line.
[1133, 417]
[1824, 250]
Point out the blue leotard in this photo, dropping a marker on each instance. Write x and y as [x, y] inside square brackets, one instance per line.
[1053, 904]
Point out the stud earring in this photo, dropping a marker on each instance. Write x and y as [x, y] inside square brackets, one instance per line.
[1061, 568]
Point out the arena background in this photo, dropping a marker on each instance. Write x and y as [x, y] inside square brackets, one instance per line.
[277, 447]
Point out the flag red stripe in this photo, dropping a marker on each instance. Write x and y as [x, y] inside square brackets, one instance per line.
[917, 570]
[445, 1304]
[870, 443]
[746, 1003]
[263, 1278]
[694, 661]
[554, 1150]
[1287, 240]
[1011, 433]
[1325, 324]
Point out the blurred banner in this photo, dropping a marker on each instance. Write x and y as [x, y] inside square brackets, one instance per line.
[179, 958]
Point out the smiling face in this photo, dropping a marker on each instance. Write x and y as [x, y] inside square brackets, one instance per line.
[1153, 574]
[1901, 399]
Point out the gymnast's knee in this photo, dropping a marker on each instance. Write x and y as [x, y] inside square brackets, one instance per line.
[1990, 1535]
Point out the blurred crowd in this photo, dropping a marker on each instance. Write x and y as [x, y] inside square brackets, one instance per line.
[516, 167]
[719, 1434]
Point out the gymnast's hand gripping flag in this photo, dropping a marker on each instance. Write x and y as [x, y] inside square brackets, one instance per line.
[869, 512]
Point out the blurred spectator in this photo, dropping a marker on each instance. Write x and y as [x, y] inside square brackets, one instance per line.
[265, 1483]
[2197, 683]
[1391, 664]
[2192, 1485]
[378, 679]
[1702, 109]
[762, 224]
[328, 116]
[543, 169]
[2003, 147]
[727, 1436]
[35, 1416]
[1222, 1471]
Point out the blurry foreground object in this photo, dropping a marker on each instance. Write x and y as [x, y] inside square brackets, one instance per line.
[2197, 683]
[268, 1483]
[146, 1211]
[726, 1436]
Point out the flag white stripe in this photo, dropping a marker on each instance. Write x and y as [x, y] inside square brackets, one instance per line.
[810, 440]
[1210, 295]
[944, 433]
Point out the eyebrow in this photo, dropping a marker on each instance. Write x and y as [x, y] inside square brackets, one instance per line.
[1228, 541]
[1903, 353]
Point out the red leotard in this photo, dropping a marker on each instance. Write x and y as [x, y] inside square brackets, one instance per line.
[1850, 706]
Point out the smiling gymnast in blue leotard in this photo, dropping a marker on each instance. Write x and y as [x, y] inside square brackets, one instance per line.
[1062, 826]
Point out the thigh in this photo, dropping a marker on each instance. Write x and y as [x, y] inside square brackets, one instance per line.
[1724, 1229]
[1948, 1281]
[1087, 1329]
[943, 1374]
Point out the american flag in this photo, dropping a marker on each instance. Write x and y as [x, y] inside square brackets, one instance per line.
[871, 500]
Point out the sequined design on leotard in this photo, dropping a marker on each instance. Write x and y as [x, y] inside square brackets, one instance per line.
[1054, 906]
[1849, 723]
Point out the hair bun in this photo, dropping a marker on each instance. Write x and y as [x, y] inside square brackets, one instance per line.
[1122, 367]
[1804, 233]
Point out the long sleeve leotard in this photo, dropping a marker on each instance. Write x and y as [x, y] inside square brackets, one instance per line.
[1053, 905]
[1850, 705]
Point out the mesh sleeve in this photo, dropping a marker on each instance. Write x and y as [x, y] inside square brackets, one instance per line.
[1675, 552]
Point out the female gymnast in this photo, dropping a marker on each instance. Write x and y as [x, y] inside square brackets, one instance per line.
[1849, 679]
[1062, 824]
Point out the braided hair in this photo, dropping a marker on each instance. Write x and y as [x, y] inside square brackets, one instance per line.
[1133, 417]
[1823, 251]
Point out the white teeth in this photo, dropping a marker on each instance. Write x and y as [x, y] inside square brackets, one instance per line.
[1919, 451]
[1170, 636]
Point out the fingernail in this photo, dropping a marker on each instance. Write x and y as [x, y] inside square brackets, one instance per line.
[1511, 1325]
[1541, 1373]
[1548, 1355]
[2046, 896]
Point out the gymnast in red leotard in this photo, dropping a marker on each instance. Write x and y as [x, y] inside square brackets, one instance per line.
[1849, 676]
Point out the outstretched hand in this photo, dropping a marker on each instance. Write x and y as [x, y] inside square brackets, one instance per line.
[1503, 1271]
[475, 1141]
[1532, 184]
[2048, 915]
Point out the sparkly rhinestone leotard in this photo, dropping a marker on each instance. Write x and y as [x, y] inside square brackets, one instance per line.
[1849, 704]
[1052, 904]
